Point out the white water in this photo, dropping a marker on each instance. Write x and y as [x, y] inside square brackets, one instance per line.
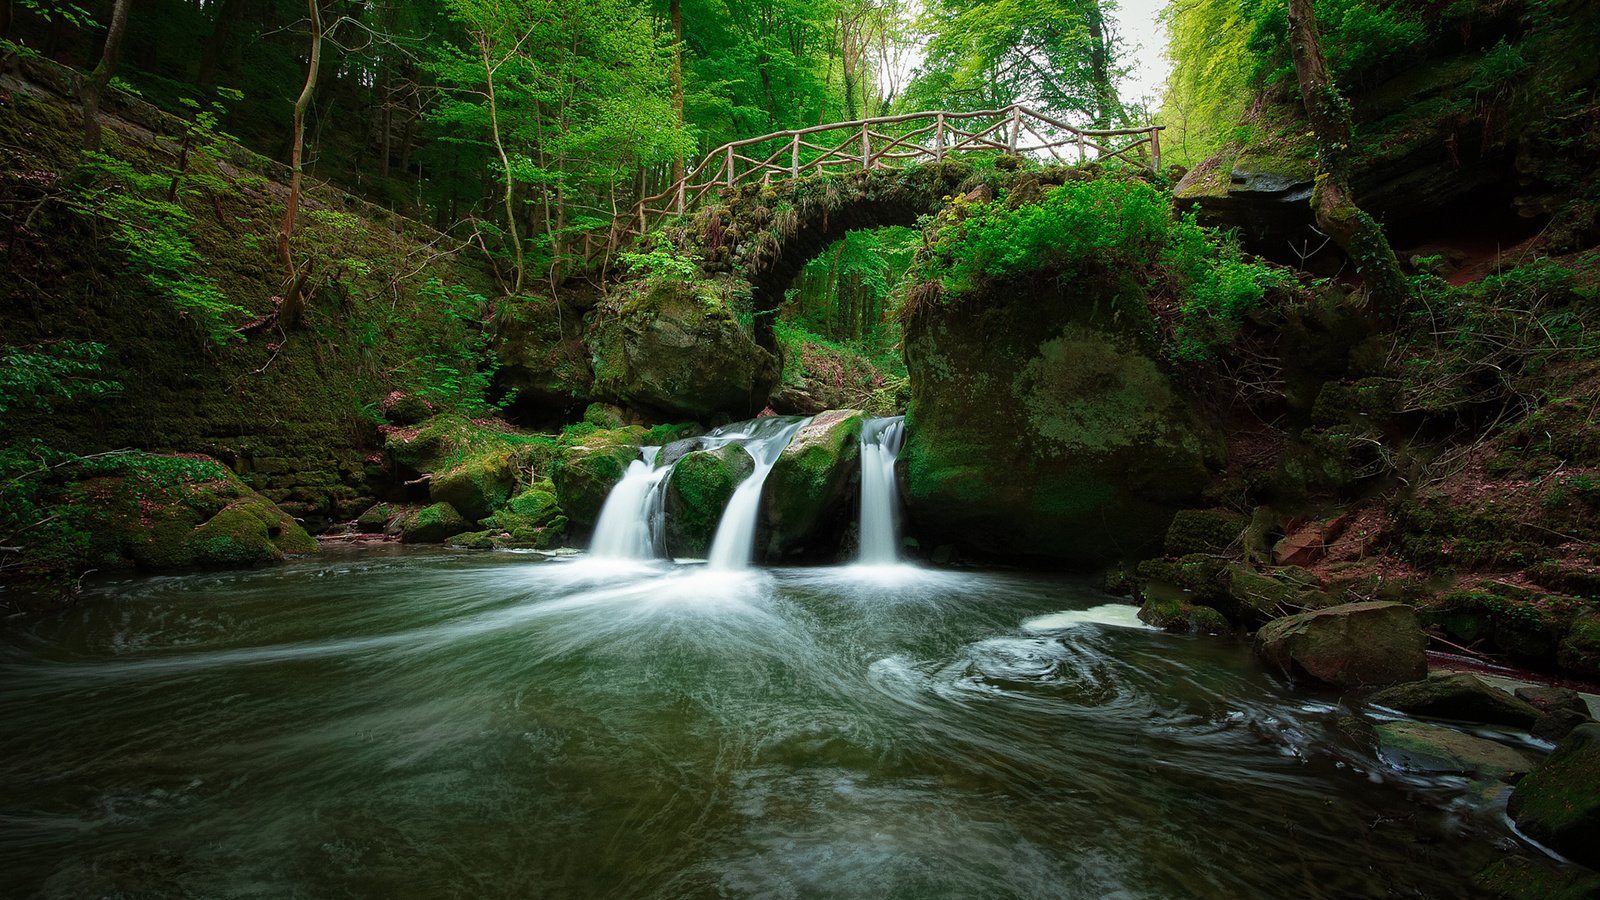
[630, 525]
[764, 440]
[880, 447]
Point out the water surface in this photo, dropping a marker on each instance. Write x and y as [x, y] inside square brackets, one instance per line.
[406, 725]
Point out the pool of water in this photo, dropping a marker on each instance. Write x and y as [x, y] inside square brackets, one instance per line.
[426, 725]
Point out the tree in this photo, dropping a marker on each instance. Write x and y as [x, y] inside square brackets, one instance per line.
[97, 81]
[295, 276]
[1356, 233]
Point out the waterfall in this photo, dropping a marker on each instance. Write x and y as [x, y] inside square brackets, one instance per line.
[765, 440]
[630, 525]
[880, 447]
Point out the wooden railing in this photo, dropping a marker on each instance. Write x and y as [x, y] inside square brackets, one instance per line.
[884, 142]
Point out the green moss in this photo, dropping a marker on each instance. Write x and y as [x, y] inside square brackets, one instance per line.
[1579, 653]
[432, 524]
[1558, 804]
[698, 491]
[1203, 531]
[1519, 878]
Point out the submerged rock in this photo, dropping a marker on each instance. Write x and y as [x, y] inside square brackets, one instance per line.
[171, 512]
[698, 492]
[1459, 696]
[1558, 804]
[432, 524]
[814, 485]
[1437, 750]
[675, 347]
[1371, 644]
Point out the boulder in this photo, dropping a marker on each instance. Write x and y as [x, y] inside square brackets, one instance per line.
[587, 475]
[697, 492]
[1204, 531]
[539, 344]
[477, 485]
[676, 348]
[1458, 696]
[1370, 644]
[170, 512]
[1044, 423]
[432, 524]
[1560, 711]
[1520, 878]
[1558, 804]
[814, 485]
[1436, 750]
[1168, 611]
[1579, 653]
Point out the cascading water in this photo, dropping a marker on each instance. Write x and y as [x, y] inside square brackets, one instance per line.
[765, 440]
[880, 447]
[630, 525]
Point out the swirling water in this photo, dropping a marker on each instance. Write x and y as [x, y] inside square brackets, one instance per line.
[415, 725]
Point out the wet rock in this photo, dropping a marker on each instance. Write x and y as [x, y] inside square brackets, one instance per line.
[432, 524]
[1371, 644]
[375, 518]
[1434, 749]
[1168, 611]
[677, 450]
[587, 475]
[814, 485]
[1558, 804]
[1459, 696]
[697, 492]
[1579, 653]
[1560, 711]
[677, 349]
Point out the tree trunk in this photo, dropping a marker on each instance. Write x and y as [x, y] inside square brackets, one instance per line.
[211, 57]
[95, 86]
[505, 164]
[676, 12]
[1357, 234]
[293, 301]
[1105, 93]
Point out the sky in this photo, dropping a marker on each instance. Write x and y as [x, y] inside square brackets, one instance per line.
[1144, 42]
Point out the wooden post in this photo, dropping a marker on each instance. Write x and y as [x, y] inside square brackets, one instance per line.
[729, 164]
[1155, 149]
[866, 147]
[794, 156]
[938, 138]
[1016, 129]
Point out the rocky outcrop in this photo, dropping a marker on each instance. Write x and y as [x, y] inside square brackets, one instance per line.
[170, 512]
[1435, 750]
[811, 492]
[1560, 711]
[1558, 804]
[587, 475]
[677, 349]
[432, 525]
[1044, 424]
[539, 343]
[478, 485]
[1458, 696]
[1372, 644]
[698, 492]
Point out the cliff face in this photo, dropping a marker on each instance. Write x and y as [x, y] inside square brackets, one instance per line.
[294, 412]
[1484, 134]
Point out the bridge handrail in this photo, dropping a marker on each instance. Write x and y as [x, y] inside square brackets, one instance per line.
[1005, 134]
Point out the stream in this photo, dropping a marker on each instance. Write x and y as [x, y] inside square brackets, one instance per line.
[406, 724]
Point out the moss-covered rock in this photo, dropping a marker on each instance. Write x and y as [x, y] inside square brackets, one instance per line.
[1558, 804]
[586, 475]
[1579, 653]
[432, 524]
[1560, 711]
[698, 492]
[375, 518]
[1519, 878]
[1044, 425]
[1530, 627]
[477, 485]
[1169, 611]
[170, 512]
[814, 485]
[677, 348]
[1458, 696]
[1372, 644]
[1204, 531]
[1419, 747]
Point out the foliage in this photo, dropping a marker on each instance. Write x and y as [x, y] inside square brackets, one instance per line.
[1104, 225]
[664, 260]
[457, 369]
[38, 378]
